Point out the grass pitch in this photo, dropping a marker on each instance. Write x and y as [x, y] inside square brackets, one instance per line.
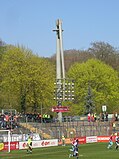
[87, 151]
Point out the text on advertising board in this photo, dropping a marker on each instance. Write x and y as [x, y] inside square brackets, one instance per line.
[60, 109]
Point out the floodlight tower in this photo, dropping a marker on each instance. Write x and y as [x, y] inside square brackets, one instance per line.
[60, 70]
[64, 87]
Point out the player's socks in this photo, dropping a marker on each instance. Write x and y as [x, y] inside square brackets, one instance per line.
[69, 155]
[116, 147]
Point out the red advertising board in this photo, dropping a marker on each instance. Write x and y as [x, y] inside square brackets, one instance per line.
[13, 146]
[82, 140]
[105, 138]
[60, 109]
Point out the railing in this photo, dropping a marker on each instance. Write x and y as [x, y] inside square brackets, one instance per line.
[76, 128]
[68, 128]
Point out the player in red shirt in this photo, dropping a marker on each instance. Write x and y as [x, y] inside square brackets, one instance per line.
[74, 149]
[110, 143]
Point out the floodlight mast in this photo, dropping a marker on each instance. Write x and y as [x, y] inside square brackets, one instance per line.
[60, 70]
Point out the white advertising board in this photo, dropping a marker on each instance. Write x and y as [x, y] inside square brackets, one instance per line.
[41, 143]
[91, 139]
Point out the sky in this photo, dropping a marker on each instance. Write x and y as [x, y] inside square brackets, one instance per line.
[30, 23]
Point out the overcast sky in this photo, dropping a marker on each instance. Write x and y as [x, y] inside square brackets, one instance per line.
[30, 23]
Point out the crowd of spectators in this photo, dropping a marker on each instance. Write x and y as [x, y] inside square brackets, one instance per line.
[37, 117]
[103, 116]
[11, 120]
[8, 121]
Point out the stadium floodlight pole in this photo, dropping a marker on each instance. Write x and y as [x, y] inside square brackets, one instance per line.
[59, 23]
[60, 71]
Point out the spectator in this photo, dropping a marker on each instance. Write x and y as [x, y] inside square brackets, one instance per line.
[116, 116]
[95, 117]
[89, 117]
[103, 117]
[106, 116]
[114, 126]
[92, 117]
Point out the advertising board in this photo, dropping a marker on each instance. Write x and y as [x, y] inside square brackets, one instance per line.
[41, 143]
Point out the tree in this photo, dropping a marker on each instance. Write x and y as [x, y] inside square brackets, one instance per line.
[106, 53]
[27, 80]
[103, 81]
[73, 56]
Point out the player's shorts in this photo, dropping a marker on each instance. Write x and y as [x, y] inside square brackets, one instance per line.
[117, 143]
[111, 143]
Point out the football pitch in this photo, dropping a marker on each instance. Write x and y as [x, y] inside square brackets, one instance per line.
[87, 151]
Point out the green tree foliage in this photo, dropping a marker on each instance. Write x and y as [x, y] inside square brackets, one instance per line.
[103, 81]
[3, 49]
[27, 80]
